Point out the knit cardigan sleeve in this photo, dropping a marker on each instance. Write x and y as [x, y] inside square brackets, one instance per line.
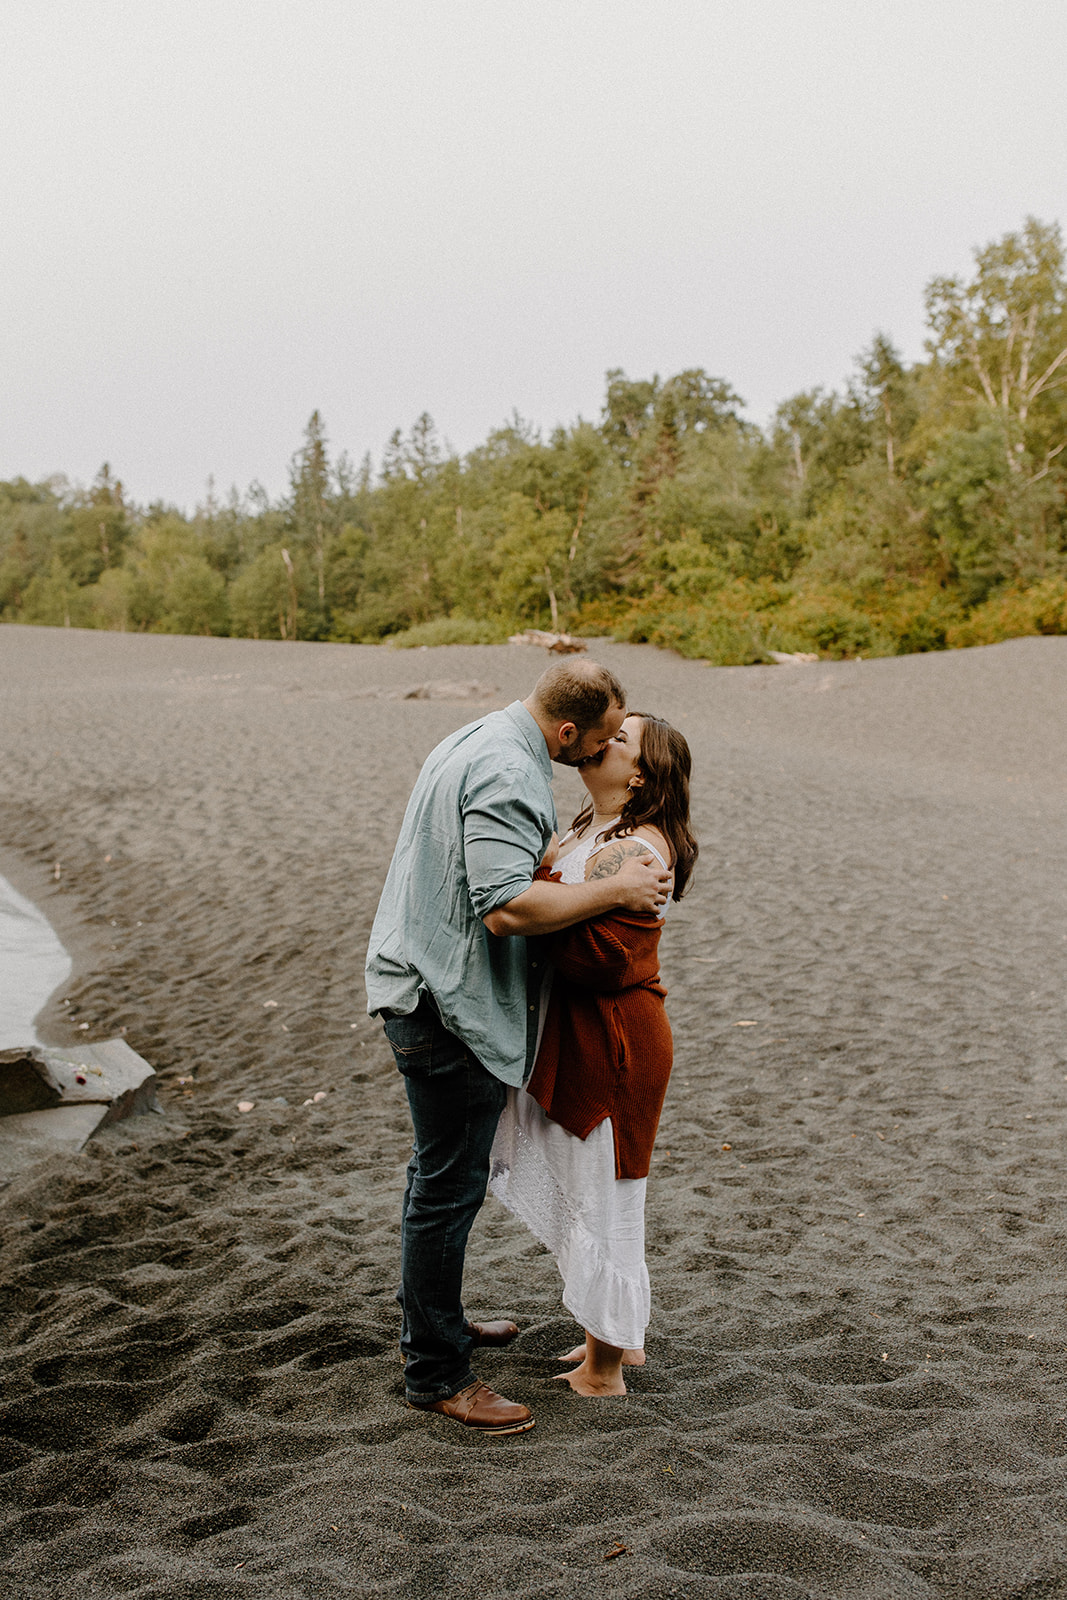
[606, 1044]
[607, 953]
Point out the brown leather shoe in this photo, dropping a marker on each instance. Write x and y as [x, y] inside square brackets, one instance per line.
[479, 1407]
[493, 1332]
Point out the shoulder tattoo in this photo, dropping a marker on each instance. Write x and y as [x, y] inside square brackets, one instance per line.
[611, 858]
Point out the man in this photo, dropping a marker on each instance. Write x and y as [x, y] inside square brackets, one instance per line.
[447, 973]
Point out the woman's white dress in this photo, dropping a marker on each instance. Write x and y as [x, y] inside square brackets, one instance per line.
[565, 1190]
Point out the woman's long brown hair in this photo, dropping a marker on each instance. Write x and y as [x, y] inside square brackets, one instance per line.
[662, 801]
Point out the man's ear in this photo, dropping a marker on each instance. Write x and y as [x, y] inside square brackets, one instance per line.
[566, 733]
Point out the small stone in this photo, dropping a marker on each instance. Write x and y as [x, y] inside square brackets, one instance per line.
[316, 1099]
[246, 1105]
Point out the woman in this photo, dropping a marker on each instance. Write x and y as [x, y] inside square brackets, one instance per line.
[572, 1150]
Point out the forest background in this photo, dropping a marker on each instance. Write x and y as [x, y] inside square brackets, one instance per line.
[922, 508]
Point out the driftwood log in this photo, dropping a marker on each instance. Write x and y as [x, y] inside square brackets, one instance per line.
[560, 644]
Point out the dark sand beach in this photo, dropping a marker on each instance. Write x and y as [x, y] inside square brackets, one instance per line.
[857, 1365]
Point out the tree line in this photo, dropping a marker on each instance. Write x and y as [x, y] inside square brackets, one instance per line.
[924, 506]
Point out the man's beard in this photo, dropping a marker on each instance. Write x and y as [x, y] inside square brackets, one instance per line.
[569, 758]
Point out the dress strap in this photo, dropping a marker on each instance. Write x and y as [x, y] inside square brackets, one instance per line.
[643, 842]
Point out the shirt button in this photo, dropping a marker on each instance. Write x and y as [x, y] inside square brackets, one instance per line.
[533, 1008]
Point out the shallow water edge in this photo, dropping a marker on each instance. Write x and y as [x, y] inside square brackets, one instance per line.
[33, 964]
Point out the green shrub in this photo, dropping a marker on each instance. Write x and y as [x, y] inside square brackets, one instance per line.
[450, 630]
[1014, 614]
[699, 632]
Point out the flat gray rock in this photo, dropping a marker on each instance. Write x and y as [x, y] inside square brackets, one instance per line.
[89, 1088]
[435, 689]
[26, 1084]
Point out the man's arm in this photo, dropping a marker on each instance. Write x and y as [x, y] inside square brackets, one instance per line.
[638, 884]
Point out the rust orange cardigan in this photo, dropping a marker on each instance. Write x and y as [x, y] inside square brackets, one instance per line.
[606, 1048]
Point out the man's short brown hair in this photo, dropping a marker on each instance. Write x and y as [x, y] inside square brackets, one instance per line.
[582, 692]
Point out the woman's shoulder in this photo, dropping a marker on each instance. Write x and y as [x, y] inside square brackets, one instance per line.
[608, 856]
[652, 835]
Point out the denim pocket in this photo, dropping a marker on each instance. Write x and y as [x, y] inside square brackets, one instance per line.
[412, 1040]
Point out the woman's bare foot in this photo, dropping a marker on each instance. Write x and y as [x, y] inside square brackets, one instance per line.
[600, 1370]
[590, 1384]
[630, 1358]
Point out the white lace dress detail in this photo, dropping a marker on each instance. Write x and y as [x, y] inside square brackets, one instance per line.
[565, 1190]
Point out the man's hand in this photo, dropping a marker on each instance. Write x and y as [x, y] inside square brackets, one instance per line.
[640, 880]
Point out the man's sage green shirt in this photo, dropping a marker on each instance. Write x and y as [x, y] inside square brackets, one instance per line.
[480, 818]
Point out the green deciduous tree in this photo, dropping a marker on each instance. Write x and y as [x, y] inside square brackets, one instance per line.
[169, 584]
[998, 344]
[53, 599]
[265, 596]
[1001, 341]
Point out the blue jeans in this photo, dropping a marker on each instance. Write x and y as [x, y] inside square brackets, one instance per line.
[455, 1106]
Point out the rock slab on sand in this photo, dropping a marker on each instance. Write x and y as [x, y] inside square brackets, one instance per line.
[53, 1101]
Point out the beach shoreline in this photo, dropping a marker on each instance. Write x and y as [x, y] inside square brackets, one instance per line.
[857, 1223]
[33, 965]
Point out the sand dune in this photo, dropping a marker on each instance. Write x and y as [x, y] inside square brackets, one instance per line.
[858, 1206]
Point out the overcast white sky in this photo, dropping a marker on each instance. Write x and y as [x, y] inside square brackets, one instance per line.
[220, 216]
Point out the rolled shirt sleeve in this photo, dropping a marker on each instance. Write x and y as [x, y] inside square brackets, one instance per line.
[503, 840]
